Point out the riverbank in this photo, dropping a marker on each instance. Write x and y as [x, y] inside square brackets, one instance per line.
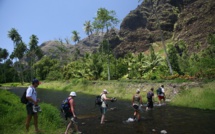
[166, 117]
[13, 115]
[186, 94]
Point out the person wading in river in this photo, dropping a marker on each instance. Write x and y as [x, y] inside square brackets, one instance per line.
[103, 107]
[137, 103]
[150, 100]
[161, 95]
[72, 115]
[31, 96]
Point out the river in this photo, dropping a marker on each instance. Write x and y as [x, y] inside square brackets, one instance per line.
[174, 120]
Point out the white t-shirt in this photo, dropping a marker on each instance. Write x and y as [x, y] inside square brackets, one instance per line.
[31, 92]
[103, 101]
[163, 91]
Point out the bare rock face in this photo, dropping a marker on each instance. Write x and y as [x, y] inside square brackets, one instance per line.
[140, 27]
[188, 20]
[195, 23]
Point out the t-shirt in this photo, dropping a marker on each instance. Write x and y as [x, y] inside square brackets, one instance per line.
[149, 95]
[136, 98]
[163, 91]
[31, 92]
[103, 100]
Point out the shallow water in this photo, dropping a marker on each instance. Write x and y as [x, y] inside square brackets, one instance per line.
[175, 120]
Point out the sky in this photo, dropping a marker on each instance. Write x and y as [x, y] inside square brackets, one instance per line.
[53, 19]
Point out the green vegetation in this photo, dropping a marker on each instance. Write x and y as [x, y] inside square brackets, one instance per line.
[199, 97]
[13, 115]
[196, 97]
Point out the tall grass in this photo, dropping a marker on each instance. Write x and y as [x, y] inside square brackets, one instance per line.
[199, 97]
[121, 90]
[13, 115]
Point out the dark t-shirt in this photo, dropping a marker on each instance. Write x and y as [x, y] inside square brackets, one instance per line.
[150, 94]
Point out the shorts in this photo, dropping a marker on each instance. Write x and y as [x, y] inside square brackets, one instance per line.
[103, 110]
[29, 108]
[136, 107]
[150, 104]
[161, 97]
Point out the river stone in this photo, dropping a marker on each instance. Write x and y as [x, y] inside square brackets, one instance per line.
[163, 132]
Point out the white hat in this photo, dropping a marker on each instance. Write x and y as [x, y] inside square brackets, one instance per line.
[138, 90]
[105, 91]
[72, 94]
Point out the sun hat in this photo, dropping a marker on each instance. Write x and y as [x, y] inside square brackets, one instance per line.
[72, 94]
[105, 91]
[138, 90]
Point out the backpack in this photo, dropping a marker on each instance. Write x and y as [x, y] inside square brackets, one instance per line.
[159, 91]
[23, 99]
[65, 108]
[98, 100]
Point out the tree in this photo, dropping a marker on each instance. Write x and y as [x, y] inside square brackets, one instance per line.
[34, 52]
[88, 28]
[19, 52]
[4, 54]
[16, 38]
[44, 66]
[75, 36]
[105, 19]
[161, 33]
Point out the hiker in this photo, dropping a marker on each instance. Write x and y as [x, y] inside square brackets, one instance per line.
[71, 114]
[150, 99]
[104, 105]
[31, 96]
[137, 104]
[161, 95]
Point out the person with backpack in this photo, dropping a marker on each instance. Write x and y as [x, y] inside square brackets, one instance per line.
[137, 103]
[103, 106]
[71, 113]
[150, 96]
[32, 101]
[161, 94]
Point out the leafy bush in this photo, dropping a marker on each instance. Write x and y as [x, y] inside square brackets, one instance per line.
[13, 115]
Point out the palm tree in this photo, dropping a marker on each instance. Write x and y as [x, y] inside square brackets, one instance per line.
[105, 19]
[161, 34]
[75, 36]
[32, 52]
[16, 38]
[88, 28]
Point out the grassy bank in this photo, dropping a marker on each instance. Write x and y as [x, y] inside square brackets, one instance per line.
[191, 94]
[13, 115]
[199, 97]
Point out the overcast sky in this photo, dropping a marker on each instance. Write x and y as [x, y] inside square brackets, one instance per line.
[53, 19]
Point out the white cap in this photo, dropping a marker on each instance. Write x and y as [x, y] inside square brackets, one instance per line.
[138, 90]
[72, 94]
[105, 91]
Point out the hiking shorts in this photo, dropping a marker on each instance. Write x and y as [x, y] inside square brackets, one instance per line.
[161, 97]
[136, 107]
[29, 108]
[150, 104]
[103, 110]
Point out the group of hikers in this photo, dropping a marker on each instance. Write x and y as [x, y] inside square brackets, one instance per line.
[33, 108]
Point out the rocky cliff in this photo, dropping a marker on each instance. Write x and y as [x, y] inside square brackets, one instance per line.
[188, 20]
